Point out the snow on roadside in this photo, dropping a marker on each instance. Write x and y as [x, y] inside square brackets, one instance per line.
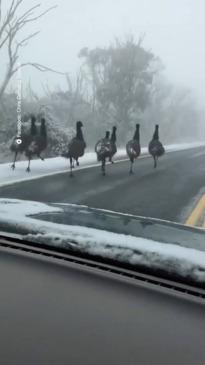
[183, 261]
[13, 208]
[52, 166]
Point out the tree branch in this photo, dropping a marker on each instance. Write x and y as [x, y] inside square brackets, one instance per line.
[39, 67]
[10, 15]
[24, 42]
[10, 27]
[0, 10]
[28, 20]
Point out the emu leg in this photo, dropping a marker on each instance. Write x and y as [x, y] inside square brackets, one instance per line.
[131, 164]
[77, 162]
[103, 167]
[155, 162]
[14, 163]
[28, 168]
[111, 160]
[71, 167]
[131, 167]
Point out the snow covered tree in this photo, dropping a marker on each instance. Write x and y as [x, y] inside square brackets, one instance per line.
[121, 78]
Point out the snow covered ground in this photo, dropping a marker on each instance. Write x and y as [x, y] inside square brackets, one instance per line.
[183, 261]
[56, 165]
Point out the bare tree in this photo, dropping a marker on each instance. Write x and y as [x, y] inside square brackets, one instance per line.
[11, 25]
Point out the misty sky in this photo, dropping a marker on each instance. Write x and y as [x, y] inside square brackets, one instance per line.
[175, 31]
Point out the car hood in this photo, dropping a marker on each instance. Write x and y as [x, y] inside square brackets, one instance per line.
[138, 241]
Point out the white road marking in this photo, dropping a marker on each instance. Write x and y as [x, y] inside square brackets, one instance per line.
[198, 154]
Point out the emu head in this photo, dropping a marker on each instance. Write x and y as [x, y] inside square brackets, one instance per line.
[33, 119]
[79, 124]
[43, 122]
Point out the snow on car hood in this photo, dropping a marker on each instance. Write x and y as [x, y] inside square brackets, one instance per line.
[137, 251]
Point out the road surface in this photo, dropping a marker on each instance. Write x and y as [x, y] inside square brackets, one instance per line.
[168, 192]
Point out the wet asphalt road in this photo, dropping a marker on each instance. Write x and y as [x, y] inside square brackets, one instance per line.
[169, 192]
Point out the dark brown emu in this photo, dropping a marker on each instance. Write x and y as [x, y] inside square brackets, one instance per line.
[103, 149]
[37, 144]
[156, 148]
[26, 138]
[113, 141]
[76, 147]
[133, 147]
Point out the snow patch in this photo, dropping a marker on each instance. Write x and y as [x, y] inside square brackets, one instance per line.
[56, 165]
[185, 262]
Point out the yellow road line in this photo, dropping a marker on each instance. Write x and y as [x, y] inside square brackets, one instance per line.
[196, 213]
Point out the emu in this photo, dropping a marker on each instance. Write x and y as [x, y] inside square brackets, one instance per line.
[103, 149]
[133, 147]
[37, 145]
[156, 148]
[76, 147]
[26, 139]
[113, 141]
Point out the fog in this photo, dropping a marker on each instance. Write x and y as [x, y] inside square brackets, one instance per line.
[173, 29]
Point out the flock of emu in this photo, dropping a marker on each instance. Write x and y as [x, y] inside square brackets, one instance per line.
[106, 148]
[34, 142]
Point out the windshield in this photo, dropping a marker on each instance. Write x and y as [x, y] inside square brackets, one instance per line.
[102, 146]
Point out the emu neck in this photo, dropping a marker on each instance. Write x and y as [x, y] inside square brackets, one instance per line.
[113, 136]
[156, 135]
[137, 135]
[79, 134]
[33, 129]
[43, 131]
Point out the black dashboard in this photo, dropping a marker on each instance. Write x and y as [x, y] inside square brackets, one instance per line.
[58, 310]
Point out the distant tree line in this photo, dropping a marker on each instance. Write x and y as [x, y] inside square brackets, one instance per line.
[120, 85]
